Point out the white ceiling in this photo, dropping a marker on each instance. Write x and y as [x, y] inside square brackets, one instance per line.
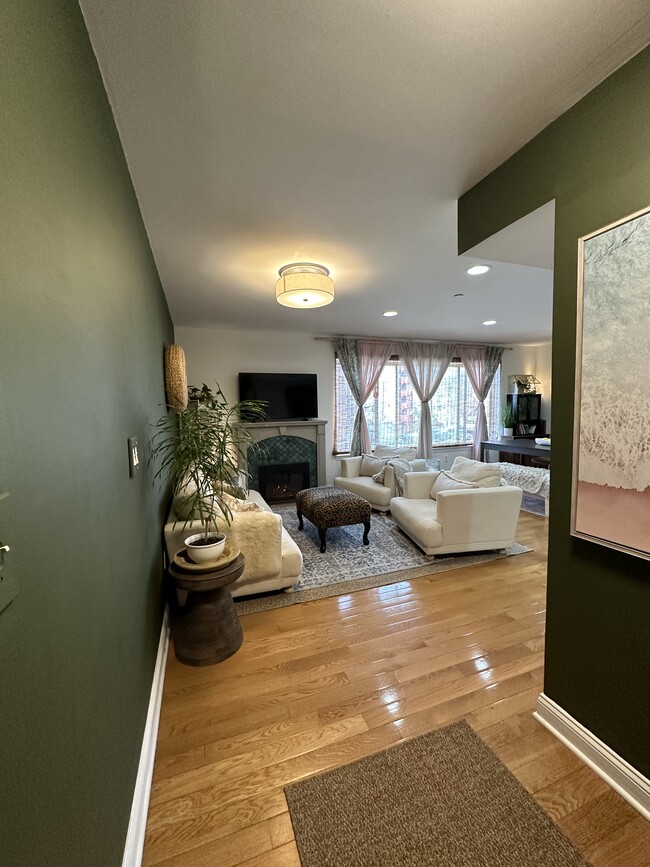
[262, 132]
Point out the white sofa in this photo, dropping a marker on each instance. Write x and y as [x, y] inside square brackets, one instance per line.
[479, 519]
[379, 496]
[273, 560]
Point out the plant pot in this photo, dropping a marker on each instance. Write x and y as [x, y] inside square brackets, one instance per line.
[508, 432]
[200, 552]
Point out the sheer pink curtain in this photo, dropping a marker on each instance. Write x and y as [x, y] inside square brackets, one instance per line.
[426, 364]
[373, 356]
[362, 362]
[481, 364]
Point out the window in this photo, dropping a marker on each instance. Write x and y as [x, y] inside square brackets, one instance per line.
[393, 410]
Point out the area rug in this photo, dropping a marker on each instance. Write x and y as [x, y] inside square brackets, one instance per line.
[532, 503]
[348, 565]
[440, 800]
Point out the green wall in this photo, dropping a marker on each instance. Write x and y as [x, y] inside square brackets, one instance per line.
[83, 324]
[595, 162]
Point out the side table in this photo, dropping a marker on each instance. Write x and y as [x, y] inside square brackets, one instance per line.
[207, 629]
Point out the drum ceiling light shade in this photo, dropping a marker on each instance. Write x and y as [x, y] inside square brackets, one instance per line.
[304, 284]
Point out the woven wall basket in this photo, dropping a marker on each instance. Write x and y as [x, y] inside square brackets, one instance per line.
[175, 377]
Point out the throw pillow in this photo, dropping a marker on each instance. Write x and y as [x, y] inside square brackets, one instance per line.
[237, 505]
[186, 499]
[400, 467]
[183, 506]
[484, 475]
[405, 452]
[371, 465]
[446, 482]
[184, 502]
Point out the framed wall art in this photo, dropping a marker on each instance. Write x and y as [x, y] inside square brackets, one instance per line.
[611, 466]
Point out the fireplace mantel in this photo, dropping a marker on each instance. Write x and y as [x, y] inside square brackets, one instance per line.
[312, 429]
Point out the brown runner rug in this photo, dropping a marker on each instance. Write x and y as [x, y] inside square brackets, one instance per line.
[440, 800]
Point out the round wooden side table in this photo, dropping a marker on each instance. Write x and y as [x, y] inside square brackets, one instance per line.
[206, 629]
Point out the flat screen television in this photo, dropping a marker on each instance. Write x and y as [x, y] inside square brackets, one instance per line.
[289, 395]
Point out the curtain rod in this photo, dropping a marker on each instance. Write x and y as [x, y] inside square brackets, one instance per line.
[406, 340]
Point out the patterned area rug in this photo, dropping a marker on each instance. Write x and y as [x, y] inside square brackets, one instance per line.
[348, 565]
[533, 503]
[443, 799]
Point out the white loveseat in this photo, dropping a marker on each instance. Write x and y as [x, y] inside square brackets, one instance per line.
[476, 519]
[273, 560]
[378, 495]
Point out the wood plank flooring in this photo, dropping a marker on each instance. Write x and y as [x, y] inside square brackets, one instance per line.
[324, 683]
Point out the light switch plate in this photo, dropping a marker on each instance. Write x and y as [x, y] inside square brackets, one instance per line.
[134, 457]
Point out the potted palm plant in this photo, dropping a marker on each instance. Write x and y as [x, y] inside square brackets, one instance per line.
[508, 420]
[199, 450]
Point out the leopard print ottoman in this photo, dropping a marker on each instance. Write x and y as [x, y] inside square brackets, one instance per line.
[332, 507]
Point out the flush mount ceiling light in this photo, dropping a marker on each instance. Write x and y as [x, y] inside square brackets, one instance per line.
[304, 284]
[390, 313]
[475, 270]
[490, 322]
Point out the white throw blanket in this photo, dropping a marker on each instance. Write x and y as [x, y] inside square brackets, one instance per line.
[400, 467]
[533, 480]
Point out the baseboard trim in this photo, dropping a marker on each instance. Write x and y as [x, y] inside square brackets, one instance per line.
[616, 772]
[140, 806]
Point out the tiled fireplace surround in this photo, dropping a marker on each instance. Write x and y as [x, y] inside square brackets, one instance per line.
[288, 442]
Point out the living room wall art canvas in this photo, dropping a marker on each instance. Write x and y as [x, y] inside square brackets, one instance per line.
[611, 468]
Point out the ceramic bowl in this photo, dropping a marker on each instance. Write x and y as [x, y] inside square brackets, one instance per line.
[205, 553]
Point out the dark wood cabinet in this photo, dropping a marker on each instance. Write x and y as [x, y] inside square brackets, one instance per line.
[528, 412]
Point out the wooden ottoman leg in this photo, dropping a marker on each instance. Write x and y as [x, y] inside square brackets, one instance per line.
[300, 525]
[366, 530]
[321, 533]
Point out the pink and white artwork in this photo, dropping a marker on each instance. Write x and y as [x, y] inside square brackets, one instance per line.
[611, 472]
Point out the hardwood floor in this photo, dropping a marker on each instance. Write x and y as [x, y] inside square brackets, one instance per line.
[323, 683]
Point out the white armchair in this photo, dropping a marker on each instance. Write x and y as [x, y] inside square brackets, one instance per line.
[476, 519]
[378, 495]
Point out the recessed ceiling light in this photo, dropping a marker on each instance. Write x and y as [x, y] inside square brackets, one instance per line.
[475, 270]
[458, 295]
[390, 313]
[490, 322]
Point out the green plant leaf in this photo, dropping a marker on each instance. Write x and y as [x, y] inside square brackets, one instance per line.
[200, 450]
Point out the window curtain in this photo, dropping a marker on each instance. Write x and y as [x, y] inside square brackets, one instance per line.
[481, 364]
[426, 364]
[362, 362]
